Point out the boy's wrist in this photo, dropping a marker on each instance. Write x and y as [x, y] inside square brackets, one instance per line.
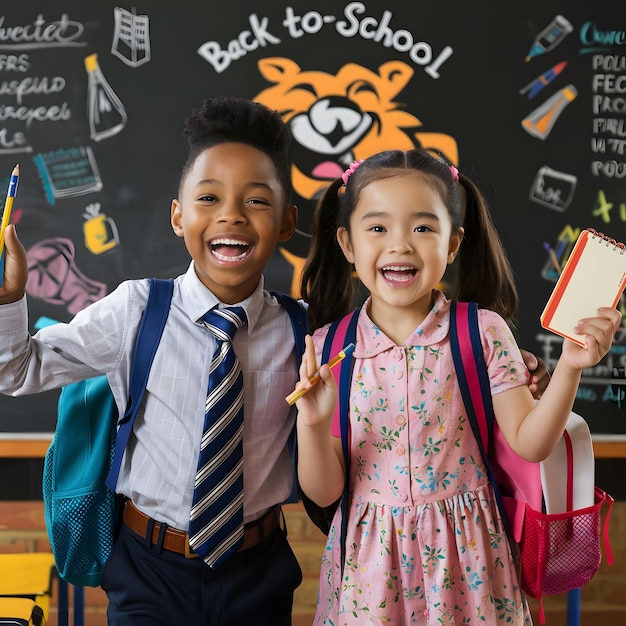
[12, 298]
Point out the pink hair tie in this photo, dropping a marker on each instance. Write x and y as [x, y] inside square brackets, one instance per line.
[454, 172]
[353, 167]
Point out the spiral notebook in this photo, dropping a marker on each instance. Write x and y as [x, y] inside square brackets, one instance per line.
[594, 276]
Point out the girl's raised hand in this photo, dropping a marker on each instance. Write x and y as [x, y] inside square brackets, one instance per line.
[599, 333]
[317, 405]
[15, 268]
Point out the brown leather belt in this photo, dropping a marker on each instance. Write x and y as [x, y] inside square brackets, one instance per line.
[178, 540]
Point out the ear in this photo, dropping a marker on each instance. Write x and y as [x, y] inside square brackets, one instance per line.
[175, 218]
[455, 245]
[288, 223]
[343, 237]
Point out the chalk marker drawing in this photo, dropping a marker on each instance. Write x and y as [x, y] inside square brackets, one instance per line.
[131, 37]
[54, 277]
[553, 189]
[105, 111]
[550, 37]
[99, 230]
[68, 172]
[540, 122]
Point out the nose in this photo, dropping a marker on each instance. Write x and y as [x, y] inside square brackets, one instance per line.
[401, 244]
[231, 211]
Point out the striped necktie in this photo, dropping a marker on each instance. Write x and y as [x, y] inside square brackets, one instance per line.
[216, 520]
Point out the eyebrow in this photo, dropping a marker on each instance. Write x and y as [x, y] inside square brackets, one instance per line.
[250, 185]
[416, 214]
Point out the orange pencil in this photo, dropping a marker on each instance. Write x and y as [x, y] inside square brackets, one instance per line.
[342, 354]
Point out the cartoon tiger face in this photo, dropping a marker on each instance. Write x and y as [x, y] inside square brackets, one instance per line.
[336, 119]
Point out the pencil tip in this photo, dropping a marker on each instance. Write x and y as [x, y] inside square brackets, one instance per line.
[16, 169]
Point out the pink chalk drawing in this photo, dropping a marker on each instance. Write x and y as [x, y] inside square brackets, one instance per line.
[54, 277]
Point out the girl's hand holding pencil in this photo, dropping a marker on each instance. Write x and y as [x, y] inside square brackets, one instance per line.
[316, 392]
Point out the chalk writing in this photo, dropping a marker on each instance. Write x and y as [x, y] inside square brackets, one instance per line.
[378, 30]
[41, 34]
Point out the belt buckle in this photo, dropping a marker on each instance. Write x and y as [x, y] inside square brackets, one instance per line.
[188, 553]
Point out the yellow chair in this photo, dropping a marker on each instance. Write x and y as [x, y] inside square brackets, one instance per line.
[20, 612]
[26, 586]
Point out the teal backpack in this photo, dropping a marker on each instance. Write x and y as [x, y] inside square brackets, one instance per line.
[84, 457]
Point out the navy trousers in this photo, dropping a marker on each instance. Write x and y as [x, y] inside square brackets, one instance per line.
[147, 586]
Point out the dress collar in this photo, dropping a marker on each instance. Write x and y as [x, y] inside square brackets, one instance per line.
[433, 330]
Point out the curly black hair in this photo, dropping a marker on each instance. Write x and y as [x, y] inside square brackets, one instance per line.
[227, 119]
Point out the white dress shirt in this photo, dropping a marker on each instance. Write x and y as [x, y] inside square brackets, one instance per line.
[159, 466]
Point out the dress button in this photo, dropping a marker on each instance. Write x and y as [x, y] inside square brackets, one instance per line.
[398, 354]
[402, 496]
[400, 449]
[398, 374]
[400, 420]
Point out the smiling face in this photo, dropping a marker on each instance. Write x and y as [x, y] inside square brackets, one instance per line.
[231, 213]
[400, 241]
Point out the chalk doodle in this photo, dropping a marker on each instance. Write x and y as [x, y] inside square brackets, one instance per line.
[54, 277]
[99, 230]
[131, 37]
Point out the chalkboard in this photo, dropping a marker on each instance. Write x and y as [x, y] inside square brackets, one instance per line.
[530, 101]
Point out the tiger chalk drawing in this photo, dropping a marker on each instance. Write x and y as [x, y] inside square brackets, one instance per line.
[335, 119]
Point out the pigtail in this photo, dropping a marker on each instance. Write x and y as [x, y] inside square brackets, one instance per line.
[484, 274]
[327, 276]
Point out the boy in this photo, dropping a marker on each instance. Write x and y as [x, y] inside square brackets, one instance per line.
[233, 207]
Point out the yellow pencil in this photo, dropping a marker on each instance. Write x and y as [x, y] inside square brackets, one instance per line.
[8, 205]
[342, 354]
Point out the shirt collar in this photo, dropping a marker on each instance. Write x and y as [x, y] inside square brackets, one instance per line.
[197, 299]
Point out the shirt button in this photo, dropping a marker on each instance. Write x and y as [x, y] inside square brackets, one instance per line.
[398, 374]
[398, 354]
[400, 420]
[400, 450]
[402, 496]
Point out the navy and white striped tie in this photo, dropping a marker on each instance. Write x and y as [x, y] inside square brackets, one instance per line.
[216, 520]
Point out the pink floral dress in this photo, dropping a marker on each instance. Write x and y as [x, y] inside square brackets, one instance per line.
[425, 542]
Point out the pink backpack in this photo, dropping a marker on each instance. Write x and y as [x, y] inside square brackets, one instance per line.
[551, 509]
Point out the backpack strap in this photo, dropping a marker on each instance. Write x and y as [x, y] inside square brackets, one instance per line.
[297, 316]
[148, 338]
[341, 333]
[473, 379]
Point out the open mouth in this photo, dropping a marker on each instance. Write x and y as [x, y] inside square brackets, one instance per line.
[230, 250]
[398, 273]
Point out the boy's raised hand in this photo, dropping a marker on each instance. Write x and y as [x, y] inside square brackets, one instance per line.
[599, 333]
[15, 268]
[317, 405]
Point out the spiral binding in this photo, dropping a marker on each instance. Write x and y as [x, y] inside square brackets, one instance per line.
[609, 240]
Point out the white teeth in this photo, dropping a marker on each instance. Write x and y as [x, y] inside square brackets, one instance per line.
[397, 268]
[222, 257]
[228, 242]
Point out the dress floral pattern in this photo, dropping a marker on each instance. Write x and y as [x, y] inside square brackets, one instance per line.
[425, 542]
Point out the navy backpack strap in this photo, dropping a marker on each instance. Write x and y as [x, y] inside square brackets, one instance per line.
[148, 338]
[345, 378]
[297, 317]
[473, 379]
[341, 333]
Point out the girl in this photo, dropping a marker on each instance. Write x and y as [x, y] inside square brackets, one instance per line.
[425, 543]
